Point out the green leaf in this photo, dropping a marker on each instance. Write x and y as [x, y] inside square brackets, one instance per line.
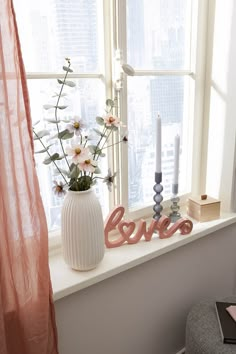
[97, 170]
[74, 172]
[61, 107]
[100, 120]
[74, 186]
[51, 158]
[67, 82]
[41, 134]
[102, 154]
[110, 103]
[69, 70]
[70, 83]
[93, 149]
[62, 157]
[48, 106]
[49, 120]
[83, 183]
[72, 166]
[65, 134]
[44, 150]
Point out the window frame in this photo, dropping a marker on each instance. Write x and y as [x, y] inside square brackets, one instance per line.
[196, 74]
[114, 30]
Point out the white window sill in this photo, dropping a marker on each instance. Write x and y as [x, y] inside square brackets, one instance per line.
[66, 281]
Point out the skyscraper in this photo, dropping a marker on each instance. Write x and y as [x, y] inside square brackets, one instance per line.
[76, 36]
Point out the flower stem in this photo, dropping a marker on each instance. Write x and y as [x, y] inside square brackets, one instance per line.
[56, 108]
[96, 148]
[50, 156]
[97, 178]
[106, 147]
[105, 141]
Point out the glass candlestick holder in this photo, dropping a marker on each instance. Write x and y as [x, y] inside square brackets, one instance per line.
[175, 214]
[158, 188]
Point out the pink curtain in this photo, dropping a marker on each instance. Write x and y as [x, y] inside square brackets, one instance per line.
[27, 320]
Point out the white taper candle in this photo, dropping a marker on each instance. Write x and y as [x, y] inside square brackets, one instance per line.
[176, 160]
[158, 144]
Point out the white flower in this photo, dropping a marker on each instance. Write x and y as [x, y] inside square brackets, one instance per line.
[59, 189]
[79, 153]
[76, 125]
[111, 120]
[88, 165]
[109, 179]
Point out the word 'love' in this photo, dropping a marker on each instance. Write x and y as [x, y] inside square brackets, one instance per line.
[127, 228]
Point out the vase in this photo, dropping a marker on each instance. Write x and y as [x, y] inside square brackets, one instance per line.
[82, 230]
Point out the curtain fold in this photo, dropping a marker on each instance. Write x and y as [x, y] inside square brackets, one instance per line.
[27, 318]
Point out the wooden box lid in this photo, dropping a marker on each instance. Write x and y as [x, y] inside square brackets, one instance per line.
[207, 200]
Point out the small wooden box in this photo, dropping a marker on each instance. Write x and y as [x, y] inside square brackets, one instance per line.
[203, 209]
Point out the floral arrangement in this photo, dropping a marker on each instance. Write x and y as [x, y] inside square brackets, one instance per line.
[81, 156]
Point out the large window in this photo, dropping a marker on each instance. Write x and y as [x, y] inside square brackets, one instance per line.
[50, 31]
[157, 38]
[157, 41]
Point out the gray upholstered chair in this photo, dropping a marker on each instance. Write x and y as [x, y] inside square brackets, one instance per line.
[202, 330]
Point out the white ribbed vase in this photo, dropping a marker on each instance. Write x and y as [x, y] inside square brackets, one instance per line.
[82, 230]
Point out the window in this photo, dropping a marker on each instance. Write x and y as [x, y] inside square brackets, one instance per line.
[158, 39]
[56, 30]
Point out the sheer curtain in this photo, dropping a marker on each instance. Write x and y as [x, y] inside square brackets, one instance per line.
[27, 321]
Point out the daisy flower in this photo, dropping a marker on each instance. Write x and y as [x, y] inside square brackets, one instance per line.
[76, 125]
[109, 179]
[59, 189]
[88, 165]
[111, 120]
[79, 153]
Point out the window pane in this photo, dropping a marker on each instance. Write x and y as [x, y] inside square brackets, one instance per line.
[158, 34]
[86, 100]
[55, 29]
[148, 96]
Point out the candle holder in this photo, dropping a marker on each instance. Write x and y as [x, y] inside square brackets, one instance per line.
[158, 188]
[175, 215]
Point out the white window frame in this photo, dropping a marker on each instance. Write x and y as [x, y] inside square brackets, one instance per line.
[196, 73]
[114, 17]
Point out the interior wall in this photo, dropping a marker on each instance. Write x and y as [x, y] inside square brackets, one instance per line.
[143, 310]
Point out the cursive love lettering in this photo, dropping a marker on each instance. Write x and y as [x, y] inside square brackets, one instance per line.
[126, 228]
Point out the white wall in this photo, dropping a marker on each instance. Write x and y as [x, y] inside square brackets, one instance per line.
[143, 310]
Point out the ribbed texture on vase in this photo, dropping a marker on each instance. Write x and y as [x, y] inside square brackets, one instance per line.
[82, 230]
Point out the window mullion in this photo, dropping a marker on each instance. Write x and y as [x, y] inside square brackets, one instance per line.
[163, 73]
[108, 79]
[200, 101]
[121, 91]
[38, 75]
